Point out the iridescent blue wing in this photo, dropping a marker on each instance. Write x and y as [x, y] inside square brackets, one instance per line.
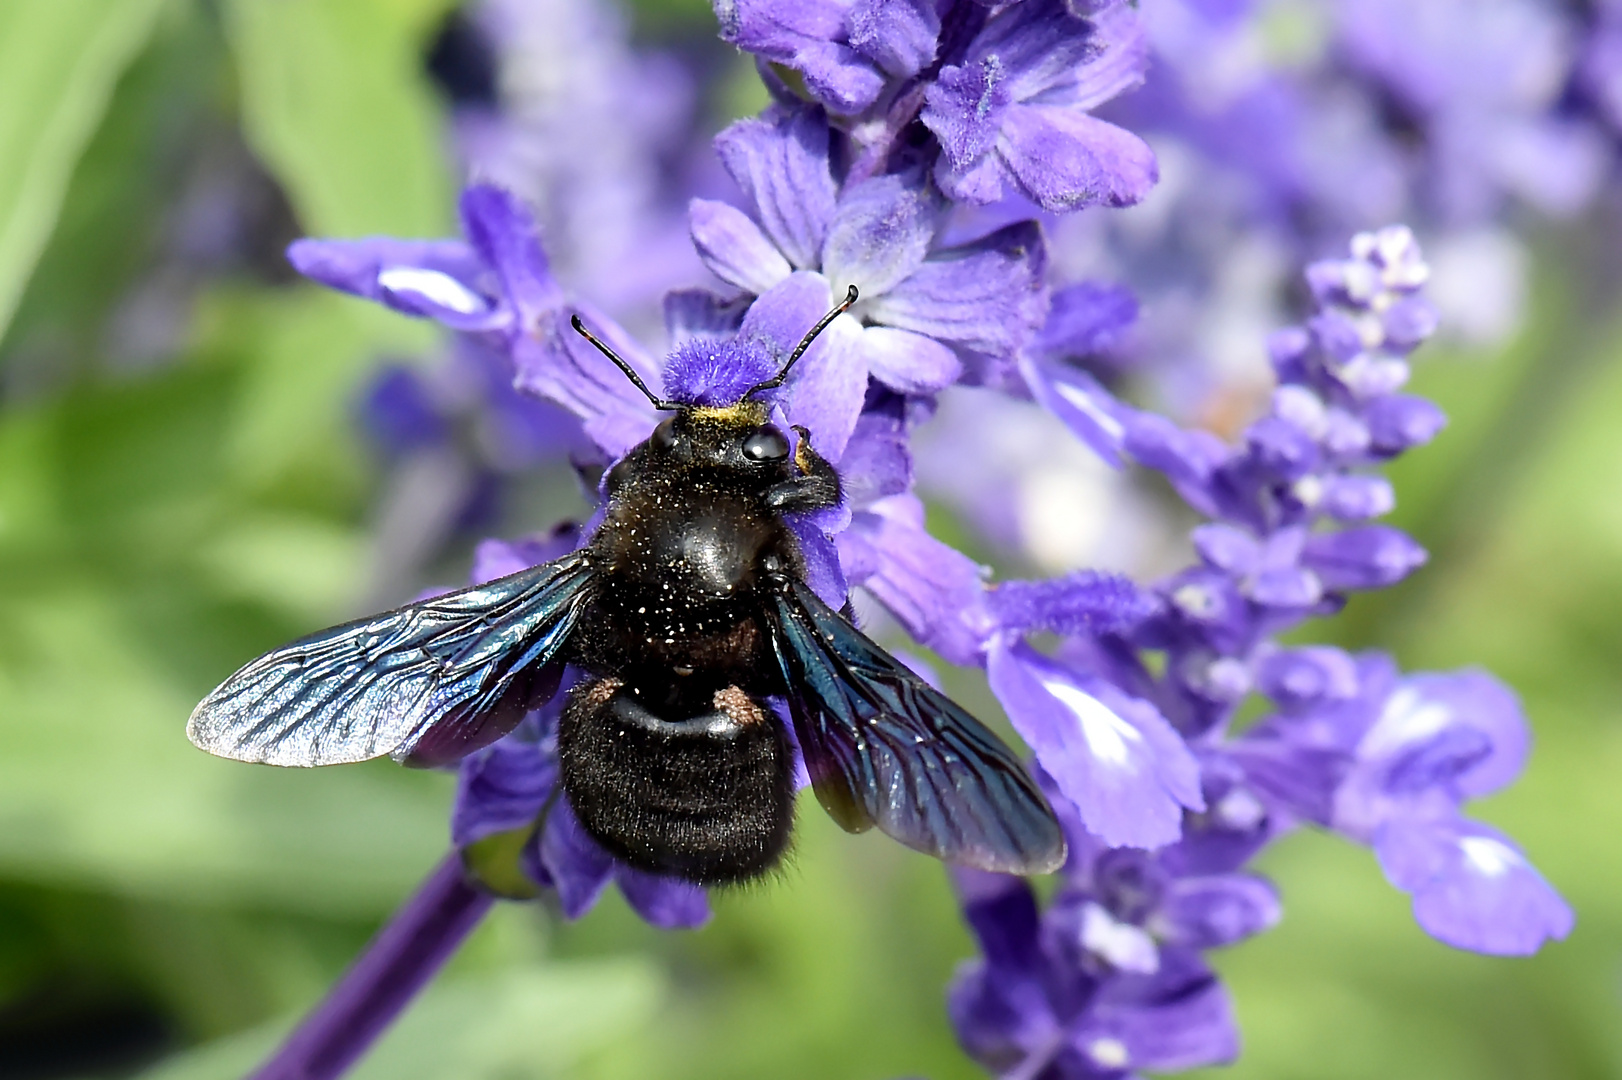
[884, 748]
[429, 682]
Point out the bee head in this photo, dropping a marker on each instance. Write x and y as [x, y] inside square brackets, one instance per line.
[739, 436]
[720, 378]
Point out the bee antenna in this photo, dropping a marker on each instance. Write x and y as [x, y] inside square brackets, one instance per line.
[630, 372]
[805, 343]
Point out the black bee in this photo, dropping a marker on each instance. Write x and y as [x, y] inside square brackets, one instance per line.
[688, 609]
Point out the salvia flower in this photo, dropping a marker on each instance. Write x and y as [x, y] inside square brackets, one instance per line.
[926, 313]
[1163, 803]
[1013, 114]
[913, 125]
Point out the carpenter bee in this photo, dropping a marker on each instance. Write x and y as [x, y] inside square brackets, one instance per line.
[687, 609]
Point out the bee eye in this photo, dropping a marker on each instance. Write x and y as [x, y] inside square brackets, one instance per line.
[664, 436]
[767, 444]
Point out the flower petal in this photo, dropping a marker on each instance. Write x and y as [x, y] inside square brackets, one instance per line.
[838, 76]
[880, 233]
[984, 296]
[780, 160]
[878, 459]
[1422, 706]
[573, 862]
[1370, 557]
[502, 230]
[429, 277]
[1038, 44]
[1116, 61]
[504, 786]
[1087, 319]
[734, 248]
[560, 365]
[934, 591]
[824, 570]
[1471, 887]
[1091, 412]
[1223, 909]
[1065, 159]
[1176, 1019]
[908, 362]
[964, 107]
[1115, 757]
[897, 35]
[667, 903]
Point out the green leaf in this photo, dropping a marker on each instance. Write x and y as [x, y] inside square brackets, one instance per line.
[131, 580]
[507, 1025]
[59, 61]
[100, 789]
[334, 101]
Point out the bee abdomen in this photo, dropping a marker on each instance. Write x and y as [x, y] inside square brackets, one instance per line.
[708, 797]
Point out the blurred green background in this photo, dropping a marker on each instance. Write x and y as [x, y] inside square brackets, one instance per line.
[181, 486]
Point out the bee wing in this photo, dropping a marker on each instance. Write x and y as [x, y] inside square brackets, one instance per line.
[884, 748]
[429, 682]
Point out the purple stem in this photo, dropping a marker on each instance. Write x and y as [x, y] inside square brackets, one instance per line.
[400, 960]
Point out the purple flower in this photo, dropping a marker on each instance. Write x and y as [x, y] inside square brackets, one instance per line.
[1126, 696]
[1482, 79]
[1013, 114]
[1472, 887]
[925, 314]
[1114, 757]
[588, 131]
[1083, 989]
[1162, 805]
[846, 51]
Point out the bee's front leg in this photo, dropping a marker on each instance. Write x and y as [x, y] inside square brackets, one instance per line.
[817, 486]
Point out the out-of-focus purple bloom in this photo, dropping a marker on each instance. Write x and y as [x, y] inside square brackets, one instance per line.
[590, 132]
[1481, 80]
[1084, 989]
[1282, 128]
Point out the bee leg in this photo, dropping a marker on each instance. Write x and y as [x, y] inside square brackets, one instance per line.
[816, 488]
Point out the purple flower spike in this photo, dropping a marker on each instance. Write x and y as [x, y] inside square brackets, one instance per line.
[1012, 116]
[1472, 888]
[1126, 770]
